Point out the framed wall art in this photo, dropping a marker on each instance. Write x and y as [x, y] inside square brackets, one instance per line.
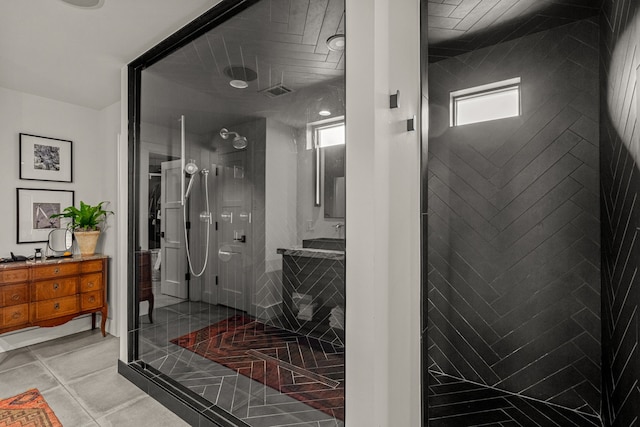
[35, 207]
[45, 159]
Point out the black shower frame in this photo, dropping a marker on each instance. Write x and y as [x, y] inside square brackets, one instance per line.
[424, 218]
[188, 405]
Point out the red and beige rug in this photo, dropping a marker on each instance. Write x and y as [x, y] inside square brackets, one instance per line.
[304, 368]
[27, 409]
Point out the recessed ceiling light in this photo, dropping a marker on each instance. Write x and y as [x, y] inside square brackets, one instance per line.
[85, 4]
[336, 42]
[324, 113]
[239, 84]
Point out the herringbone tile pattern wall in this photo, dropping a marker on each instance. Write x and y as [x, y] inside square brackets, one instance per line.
[321, 280]
[619, 134]
[514, 228]
[460, 26]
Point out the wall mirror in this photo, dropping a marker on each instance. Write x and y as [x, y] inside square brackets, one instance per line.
[328, 138]
[334, 183]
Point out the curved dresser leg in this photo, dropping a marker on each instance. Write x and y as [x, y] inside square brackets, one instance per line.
[103, 320]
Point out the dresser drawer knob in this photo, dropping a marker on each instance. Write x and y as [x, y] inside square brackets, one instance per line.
[56, 286]
[92, 299]
[56, 306]
[90, 284]
[15, 297]
[16, 315]
[56, 270]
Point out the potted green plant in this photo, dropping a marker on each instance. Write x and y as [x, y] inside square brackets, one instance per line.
[86, 224]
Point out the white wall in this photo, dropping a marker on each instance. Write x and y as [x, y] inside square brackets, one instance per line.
[94, 134]
[383, 214]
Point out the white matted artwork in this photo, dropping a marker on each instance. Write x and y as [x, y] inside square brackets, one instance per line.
[35, 207]
[45, 159]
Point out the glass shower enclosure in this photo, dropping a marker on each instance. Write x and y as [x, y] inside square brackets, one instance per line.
[239, 184]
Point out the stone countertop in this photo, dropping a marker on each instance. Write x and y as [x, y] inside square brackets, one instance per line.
[312, 253]
[50, 261]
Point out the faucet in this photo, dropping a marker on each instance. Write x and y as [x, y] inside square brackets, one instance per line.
[339, 226]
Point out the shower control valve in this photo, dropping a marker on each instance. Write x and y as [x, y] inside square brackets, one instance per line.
[206, 217]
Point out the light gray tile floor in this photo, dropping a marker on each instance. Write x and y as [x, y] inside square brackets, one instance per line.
[78, 377]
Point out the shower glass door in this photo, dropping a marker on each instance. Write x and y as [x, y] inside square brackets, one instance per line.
[245, 302]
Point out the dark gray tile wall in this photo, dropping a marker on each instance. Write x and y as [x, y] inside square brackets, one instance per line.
[514, 227]
[620, 184]
[321, 280]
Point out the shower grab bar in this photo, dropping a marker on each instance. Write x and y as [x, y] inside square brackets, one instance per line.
[221, 252]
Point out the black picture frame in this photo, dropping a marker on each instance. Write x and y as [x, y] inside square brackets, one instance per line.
[45, 159]
[33, 208]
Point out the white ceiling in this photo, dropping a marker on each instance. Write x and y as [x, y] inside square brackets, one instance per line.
[51, 49]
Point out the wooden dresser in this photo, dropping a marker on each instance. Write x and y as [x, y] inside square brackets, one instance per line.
[52, 292]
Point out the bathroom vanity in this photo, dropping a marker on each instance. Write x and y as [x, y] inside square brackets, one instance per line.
[313, 294]
[53, 292]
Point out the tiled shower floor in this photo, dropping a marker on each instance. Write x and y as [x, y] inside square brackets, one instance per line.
[458, 403]
[250, 401]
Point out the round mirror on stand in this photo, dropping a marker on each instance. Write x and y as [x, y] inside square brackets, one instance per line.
[60, 242]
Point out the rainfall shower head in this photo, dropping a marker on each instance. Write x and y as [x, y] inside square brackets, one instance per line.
[239, 142]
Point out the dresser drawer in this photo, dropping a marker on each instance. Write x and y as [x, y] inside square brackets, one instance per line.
[14, 275]
[14, 294]
[91, 266]
[56, 270]
[90, 300]
[53, 308]
[14, 315]
[56, 288]
[91, 282]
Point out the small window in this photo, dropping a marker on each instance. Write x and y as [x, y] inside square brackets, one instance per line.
[329, 134]
[492, 101]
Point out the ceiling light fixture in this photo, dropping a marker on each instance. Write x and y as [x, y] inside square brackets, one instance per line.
[85, 4]
[324, 113]
[240, 76]
[239, 84]
[336, 42]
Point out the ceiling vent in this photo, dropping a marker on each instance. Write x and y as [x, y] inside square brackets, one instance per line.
[277, 90]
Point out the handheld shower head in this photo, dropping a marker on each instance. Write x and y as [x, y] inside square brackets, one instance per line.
[191, 167]
[186, 193]
[239, 141]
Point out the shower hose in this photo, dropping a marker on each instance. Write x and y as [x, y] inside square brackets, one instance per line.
[186, 234]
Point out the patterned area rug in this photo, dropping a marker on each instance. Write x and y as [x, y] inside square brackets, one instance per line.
[27, 409]
[304, 368]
